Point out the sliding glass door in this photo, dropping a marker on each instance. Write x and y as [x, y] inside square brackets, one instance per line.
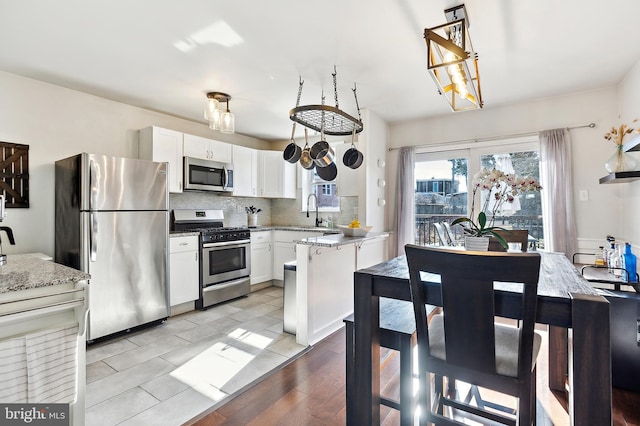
[443, 179]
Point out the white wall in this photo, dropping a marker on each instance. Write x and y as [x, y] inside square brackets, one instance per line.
[596, 217]
[629, 193]
[56, 123]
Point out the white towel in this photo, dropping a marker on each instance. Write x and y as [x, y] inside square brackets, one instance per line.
[13, 370]
[52, 361]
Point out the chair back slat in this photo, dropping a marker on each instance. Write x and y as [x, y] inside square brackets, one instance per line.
[466, 281]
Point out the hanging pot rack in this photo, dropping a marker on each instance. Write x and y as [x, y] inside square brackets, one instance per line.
[331, 120]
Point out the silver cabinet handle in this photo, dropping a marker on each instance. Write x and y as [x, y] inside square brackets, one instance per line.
[93, 238]
[196, 256]
[184, 244]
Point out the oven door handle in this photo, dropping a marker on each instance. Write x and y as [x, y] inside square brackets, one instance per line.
[226, 244]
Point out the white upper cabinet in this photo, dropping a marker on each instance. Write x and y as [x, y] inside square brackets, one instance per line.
[245, 171]
[276, 177]
[163, 145]
[208, 149]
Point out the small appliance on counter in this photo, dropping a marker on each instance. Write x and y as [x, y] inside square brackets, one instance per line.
[12, 241]
[225, 255]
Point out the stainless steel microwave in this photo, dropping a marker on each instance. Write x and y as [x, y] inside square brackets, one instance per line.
[207, 175]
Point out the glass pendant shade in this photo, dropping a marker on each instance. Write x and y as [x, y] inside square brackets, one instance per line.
[210, 108]
[214, 119]
[228, 125]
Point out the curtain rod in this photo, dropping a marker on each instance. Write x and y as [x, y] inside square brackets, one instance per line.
[514, 135]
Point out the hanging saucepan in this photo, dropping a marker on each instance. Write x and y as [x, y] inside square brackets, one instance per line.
[292, 151]
[328, 172]
[305, 158]
[352, 157]
[321, 152]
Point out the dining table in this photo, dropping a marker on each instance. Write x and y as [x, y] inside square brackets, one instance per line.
[578, 331]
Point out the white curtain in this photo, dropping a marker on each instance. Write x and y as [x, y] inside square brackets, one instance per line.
[404, 225]
[557, 193]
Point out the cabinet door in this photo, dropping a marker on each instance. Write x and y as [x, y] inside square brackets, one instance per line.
[221, 151]
[245, 171]
[282, 253]
[288, 179]
[184, 268]
[163, 145]
[261, 262]
[196, 146]
[184, 280]
[270, 174]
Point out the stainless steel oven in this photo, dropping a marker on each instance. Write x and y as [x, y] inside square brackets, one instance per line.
[225, 255]
[225, 261]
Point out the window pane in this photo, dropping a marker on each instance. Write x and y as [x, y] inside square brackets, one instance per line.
[526, 210]
[440, 195]
[326, 193]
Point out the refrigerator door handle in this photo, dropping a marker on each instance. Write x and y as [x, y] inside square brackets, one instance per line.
[93, 192]
[93, 238]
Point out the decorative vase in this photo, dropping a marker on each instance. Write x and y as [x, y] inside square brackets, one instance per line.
[476, 243]
[621, 162]
[252, 220]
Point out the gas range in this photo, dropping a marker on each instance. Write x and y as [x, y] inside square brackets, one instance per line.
[225, 255]
[209, 223]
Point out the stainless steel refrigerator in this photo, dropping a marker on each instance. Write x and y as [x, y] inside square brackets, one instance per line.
[112, 221]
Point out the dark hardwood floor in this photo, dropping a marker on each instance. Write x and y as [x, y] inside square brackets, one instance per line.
[311, 391]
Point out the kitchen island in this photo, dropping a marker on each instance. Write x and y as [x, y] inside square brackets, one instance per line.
[324, 279]
[43, 310]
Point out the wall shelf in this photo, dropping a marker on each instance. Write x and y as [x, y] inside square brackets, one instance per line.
[620, 177]
[632, 144]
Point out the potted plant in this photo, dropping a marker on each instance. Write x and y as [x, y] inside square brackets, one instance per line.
[501, 189]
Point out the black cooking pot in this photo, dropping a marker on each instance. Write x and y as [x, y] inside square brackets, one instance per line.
[327, 173]
[352, 158]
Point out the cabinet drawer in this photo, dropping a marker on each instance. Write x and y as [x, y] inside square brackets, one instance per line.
[261, 237]
[180, 244]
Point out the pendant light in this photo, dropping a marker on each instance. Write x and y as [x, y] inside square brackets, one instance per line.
[219, 120]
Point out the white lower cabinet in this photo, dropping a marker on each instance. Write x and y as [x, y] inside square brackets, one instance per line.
[261, 257]
[184, 281]
[284, 249]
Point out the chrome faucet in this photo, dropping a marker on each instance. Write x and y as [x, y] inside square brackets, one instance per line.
[318, 220]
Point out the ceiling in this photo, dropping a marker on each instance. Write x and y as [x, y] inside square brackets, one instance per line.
[165, 55]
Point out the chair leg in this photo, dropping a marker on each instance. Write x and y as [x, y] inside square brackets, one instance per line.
[526, 403]
[350, 373]
[407, 399]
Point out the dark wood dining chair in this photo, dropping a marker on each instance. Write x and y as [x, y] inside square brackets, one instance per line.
[465, 343]
[514, 236]
[397, 332]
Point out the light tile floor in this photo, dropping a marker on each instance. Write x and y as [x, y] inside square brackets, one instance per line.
[167, 374]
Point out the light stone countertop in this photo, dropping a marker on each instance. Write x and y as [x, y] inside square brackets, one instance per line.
[339, 239]
[294, 228]
[26, 271]
[183, 234]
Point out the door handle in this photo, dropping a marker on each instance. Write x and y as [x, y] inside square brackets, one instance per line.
[93, 238]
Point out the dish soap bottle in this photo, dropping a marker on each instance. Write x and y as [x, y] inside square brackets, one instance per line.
[630, 262]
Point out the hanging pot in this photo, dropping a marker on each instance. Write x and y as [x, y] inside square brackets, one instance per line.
[352, 158]
[321, 152]
[328, 173]
[292, 151]
[305, 158]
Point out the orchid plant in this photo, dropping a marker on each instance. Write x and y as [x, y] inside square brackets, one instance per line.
[500, 188]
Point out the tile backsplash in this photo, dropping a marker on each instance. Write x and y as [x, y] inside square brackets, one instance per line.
[285, 212]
